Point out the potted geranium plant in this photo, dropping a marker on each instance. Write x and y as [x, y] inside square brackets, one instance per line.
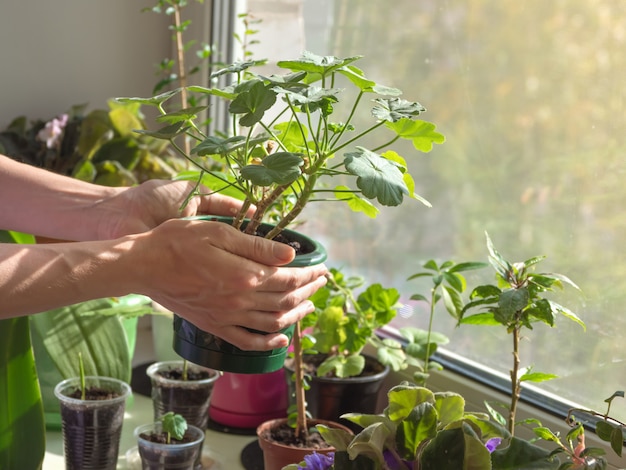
[284, 145]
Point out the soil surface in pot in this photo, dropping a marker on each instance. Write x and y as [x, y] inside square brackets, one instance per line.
[177, 374]
[285, 434]
[161, 438]
[313, 361]
[94, 393]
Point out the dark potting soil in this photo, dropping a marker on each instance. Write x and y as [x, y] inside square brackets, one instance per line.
[93, 393]
[286, 435]
[177, 374]
[161, 438]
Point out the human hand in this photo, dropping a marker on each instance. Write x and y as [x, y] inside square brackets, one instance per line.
[225, 281]
[141, 208]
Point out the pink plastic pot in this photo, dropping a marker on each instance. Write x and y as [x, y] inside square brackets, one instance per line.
[247, 400]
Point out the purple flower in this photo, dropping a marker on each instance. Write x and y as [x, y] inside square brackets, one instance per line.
[317, 461]
[393, 464]
[493, 443]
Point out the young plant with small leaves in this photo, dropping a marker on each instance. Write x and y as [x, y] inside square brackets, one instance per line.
[448, 284]
[517, 301]
[174, 425]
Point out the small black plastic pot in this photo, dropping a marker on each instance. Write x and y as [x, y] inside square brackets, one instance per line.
[330, 397]
[208, 350]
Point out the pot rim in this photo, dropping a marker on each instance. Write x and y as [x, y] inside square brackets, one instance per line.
[156, 426]
[152, 370]
[317, 255]
[62, 387]
[310, 422]
[355, 379]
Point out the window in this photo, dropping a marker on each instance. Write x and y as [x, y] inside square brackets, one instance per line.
[531, 98]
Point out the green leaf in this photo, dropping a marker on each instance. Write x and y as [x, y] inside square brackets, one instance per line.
[22, 428]
[237, 67]
[99, 337]
[152, 101]
[377, 177]
[370, 442]
[537, 377]
[357, 77]
[343, 366]
[486, 318]
[8, 236]
[174, 424]
[124, 121]
[336, 437]
[452, 301]
[315, 64]
[252, 104]
[457, 448]
[166, 133]
[277, 168]
[419, 425]
[356, 204]
[215, 145]
[181, 115]
[390, 353]
[403, 398]
[313, 98]
[567, 313]
[421, 133]
[450, 407]
[546, 434]
[523, 454]
[394, 109]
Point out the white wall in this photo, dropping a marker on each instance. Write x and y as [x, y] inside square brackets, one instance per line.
[54, 54]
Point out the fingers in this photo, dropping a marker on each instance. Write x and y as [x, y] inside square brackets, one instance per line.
[218, 204]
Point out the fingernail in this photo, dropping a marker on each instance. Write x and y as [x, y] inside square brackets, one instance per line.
[280, 341]
[283, 252]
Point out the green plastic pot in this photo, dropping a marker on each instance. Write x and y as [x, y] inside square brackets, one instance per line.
[208, 350]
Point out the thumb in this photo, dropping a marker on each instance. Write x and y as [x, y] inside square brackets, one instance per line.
[271, 252]
[261, 250]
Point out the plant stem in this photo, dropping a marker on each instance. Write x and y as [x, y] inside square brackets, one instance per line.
[180, 53]
[81, 371]
[515, 382]
[185, 369]
[301, 426]
[430, 329]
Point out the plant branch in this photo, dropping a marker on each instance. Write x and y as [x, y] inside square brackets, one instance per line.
[516, 386]
[301, 424]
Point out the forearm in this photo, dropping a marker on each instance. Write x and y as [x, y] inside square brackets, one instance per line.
[36, 278]
[43, 203]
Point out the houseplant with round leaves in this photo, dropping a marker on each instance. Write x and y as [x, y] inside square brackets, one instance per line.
[286, 144]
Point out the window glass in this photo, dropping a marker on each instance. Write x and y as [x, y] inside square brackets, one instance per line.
[531, 97]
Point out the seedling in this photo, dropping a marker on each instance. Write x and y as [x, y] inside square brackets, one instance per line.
[81, 369]
[174, 425]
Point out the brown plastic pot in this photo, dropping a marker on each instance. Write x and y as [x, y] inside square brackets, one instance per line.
[277, 455]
